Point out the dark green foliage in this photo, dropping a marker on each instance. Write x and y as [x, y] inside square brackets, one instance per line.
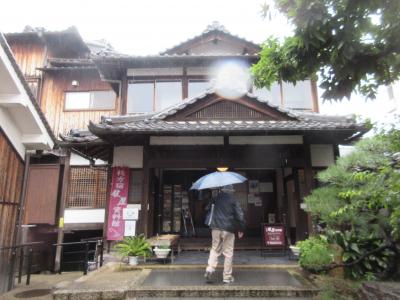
[353, 45]
[359, 205]
[354, 247]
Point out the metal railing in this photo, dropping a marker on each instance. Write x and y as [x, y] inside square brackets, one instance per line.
[85, 250]
[18, 254]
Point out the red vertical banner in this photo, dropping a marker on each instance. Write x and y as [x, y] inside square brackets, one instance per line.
[118, 201]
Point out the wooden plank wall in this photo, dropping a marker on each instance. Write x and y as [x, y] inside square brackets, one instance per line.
[41, 194]
[53, 94]
[29, 57]
[11, 177]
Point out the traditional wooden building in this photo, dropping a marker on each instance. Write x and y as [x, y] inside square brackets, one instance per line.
[168, 119]
[176, 125]
[23, 128]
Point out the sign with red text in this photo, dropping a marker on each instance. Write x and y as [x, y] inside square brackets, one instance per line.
[274, 235]
[118, 201]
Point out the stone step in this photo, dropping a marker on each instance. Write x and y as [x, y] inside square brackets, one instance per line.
[222, 292]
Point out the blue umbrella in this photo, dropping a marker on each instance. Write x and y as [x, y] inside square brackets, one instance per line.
[217, 179]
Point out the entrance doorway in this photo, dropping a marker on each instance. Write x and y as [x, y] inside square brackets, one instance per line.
[257, 196]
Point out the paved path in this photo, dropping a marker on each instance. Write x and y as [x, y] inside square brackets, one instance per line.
[258, 277]
[40, 287]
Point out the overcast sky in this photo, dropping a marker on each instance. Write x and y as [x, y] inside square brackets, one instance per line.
[149, 26]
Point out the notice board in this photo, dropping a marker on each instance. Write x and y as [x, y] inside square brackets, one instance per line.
[274, 235]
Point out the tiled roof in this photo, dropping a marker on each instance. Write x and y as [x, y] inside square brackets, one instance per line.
[187, 102]
[80, 136]
[125, 57]
[157, 123]
[160, 126]
[214, 27]
[69, 68]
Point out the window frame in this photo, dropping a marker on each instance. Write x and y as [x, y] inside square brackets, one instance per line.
[88, 109]
[95, 202]
[190, 79]
[154, 82]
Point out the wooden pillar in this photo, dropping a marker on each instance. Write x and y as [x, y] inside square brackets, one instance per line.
[144, 212]
[185, 84]
[314, 95]
[109, 179]
[309, 181]
[63, 197]
[17, 237]
[279, 193]
[18, 230]
[124, 94]
[336, 151]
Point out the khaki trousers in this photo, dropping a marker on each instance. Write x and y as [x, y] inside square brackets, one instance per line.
[222, 243]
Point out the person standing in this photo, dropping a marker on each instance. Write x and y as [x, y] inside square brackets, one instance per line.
[225, 217]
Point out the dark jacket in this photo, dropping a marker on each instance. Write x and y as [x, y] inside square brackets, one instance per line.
[227, 214]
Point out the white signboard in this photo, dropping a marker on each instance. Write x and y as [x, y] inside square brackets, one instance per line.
[130, 228]
[130, 213]
[266, 187]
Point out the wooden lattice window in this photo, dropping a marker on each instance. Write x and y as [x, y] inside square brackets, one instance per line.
[87, 187]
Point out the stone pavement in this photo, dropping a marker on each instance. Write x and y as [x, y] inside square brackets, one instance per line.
[168, 282]
[242, 257]
[40, 287]
[118, 281]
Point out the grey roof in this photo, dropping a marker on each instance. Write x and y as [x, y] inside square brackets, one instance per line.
[161, 127]
[187, 102]
[80, 136]
[155, 122]
[213, 27]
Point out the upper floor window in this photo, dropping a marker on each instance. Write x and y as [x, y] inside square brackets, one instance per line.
[197, 87]
[297, 96]
[272, 95]
[153, 96]
[92, 100]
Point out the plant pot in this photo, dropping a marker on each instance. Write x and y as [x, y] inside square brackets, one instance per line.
[295, 250]
[133, 260]
[161, 253]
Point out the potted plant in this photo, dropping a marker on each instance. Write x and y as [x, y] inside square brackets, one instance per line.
[133, 247]
[295, 250]
[162, 251]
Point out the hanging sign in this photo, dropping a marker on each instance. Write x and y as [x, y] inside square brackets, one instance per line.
[274, 235]
[118, 201]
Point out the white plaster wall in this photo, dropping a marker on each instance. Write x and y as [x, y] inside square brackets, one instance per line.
[155, 72]
[84, 216]
[12, 132]
[266, 140]
[198, 71]
[77, 160]
[322, 155]
[19, 118]
[186, 140]
[128, 156]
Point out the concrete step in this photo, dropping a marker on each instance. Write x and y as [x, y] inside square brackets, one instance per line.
[110, 283]
[208, 298]
[248, 283]
[222, 292]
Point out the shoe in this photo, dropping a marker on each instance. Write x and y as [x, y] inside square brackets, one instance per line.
[228, 280]
[209, 276]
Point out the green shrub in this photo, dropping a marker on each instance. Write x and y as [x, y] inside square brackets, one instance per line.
[315, 254]
[134, 246]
